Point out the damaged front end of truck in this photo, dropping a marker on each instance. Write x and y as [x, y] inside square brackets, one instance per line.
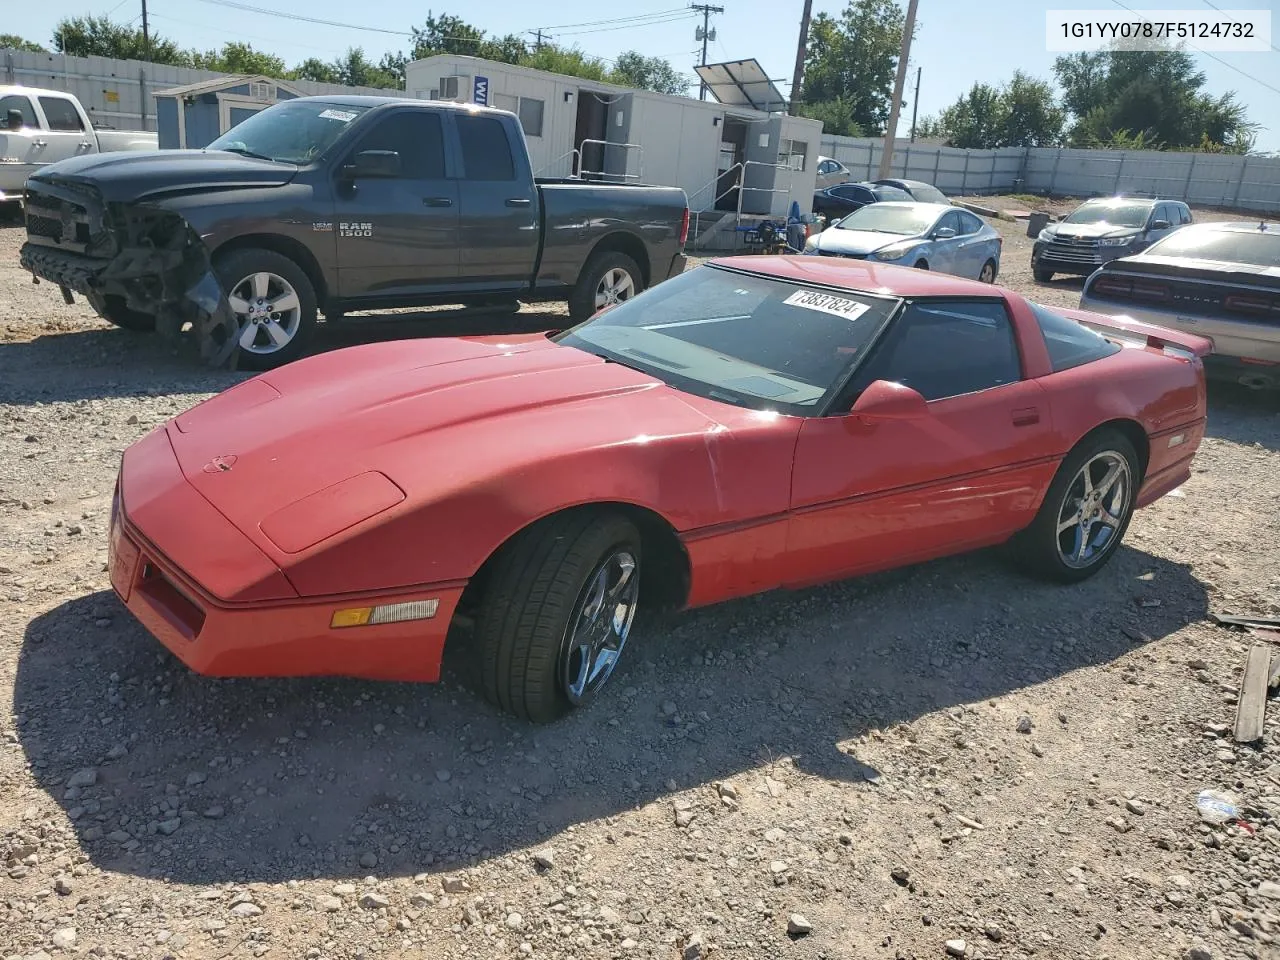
[129, 258]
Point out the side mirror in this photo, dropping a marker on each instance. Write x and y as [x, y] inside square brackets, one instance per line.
[884, 400]
[14, 120]
[373, 163]
[1160, 225]
[944, 233]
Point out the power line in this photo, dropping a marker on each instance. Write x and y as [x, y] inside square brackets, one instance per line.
[595, 23]
[250, 8]
[1229, 66]
[625, 26]
[1220, 10]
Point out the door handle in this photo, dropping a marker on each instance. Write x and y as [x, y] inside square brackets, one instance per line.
[437, 202]
[518, 202]
[1026, 417]
[39, 143]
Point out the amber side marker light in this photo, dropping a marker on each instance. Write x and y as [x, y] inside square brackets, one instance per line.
[386, 613]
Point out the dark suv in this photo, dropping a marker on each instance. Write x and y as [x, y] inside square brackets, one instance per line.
[1101, 230]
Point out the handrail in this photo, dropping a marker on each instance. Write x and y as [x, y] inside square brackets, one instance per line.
[610, 143]
[548, 166]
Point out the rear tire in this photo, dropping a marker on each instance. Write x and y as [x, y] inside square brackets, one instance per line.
[283, 334]
[115, 310]
[988, 272]
[1064, 543]
[533, 617]
[607, 278]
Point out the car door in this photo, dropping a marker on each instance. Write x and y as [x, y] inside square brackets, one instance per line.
[972, 248]
[24, 144]
[847, 197]
[1161, 213]
[871, 495]
[397, 236]
[499, 221]
[944, 251]
[66, 130]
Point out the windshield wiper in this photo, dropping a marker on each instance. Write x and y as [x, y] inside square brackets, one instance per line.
[247, 153]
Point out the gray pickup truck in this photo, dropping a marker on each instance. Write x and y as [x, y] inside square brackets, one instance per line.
[333, 205]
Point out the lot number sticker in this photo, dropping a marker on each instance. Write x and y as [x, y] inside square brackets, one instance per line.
[346, 116]
[826, 303]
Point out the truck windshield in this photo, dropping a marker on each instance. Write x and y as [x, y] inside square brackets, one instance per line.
[295, 131]
[747, 339]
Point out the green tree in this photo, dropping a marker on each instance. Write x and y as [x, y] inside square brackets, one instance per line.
[313, 68]
[853, 60]
[570, 61]
[101, 37]
[11, 41]
[237, 57]
[447, 34]
[355, 69]
[976, 120]
[836, 116]
[1155, 97]
[1021, 113]
[634, 69]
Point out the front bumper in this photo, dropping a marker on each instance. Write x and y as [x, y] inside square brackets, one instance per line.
[277, 636]
[1078, 261]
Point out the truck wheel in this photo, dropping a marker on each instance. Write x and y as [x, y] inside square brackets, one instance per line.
[557, 613]
[607, 279]
[1041, 274]
[274, 303]
[114, 310]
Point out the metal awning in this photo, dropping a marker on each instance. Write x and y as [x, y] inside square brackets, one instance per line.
[742, 83]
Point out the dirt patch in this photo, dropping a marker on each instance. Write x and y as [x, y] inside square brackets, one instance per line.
[944, 753]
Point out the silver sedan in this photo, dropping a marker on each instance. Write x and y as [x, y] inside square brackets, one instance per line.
[929, 236]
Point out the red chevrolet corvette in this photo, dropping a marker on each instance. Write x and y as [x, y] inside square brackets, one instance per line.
[753, 423]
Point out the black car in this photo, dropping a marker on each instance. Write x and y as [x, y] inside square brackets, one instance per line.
[919, 190]
[844, 198]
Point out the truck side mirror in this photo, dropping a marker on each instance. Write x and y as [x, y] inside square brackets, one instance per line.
[13, 120]
[373, 163]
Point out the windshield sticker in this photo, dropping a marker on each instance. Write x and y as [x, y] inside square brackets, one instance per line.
[346, 116]
[826, 303]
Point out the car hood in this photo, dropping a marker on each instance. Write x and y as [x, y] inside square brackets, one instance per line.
[1090, 231]
[856, 242]
[127, 176]
[298, 454]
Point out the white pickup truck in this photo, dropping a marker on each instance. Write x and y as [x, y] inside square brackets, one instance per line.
[39, 127]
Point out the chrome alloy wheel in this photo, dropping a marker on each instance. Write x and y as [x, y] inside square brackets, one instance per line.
[1093, 509]
[615, 287]
[599, 626]
[268, 310]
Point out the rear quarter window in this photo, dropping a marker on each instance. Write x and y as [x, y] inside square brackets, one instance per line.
[1070, 344]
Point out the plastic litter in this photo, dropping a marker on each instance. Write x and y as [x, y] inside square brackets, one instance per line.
[1217, 807]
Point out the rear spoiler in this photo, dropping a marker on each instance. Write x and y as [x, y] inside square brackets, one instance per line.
[1127, 328]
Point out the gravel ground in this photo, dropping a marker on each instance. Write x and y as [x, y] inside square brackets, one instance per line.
[944, 760]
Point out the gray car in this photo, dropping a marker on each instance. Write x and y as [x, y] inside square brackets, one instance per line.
[930, 236]
[1218, 280]
[1101, 230]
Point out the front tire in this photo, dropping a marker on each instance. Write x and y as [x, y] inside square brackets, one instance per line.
[607, 279]
[115, 311]
[557, 612]
[1086, 510]
[274, 302]
[1041, 274]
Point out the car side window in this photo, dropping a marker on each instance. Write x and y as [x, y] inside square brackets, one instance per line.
[848, 191]
[1069, 343]
[417, 135]
[22, 105]
[1184, 213]
[825, 167]
[486, 152]
[969, 224]
[61, 114]
[946, 348]
[952, 220]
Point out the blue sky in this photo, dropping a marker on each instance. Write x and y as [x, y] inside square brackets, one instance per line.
[958, 43]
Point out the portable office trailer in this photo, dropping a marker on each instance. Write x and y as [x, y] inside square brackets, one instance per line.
[194, 115]
[594, 130]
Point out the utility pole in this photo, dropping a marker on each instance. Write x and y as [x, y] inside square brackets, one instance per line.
[706, 10]
[797, 76]
[146, 32]
[538, 43]
[891, 131]
[915, 105]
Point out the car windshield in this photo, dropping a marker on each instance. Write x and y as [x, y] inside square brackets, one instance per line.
[295, 131]
[1118, 214]
[881, 218]
[1258, 249]
[745, 339]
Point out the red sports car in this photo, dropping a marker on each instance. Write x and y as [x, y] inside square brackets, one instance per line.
[750, 424]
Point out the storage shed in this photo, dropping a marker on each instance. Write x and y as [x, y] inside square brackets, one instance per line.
[599, 131]
[194, 115]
